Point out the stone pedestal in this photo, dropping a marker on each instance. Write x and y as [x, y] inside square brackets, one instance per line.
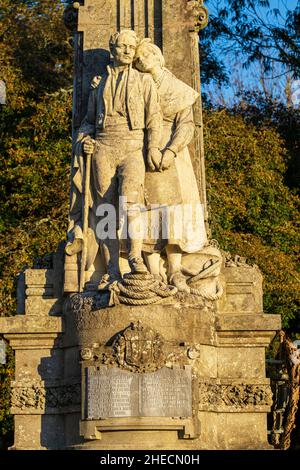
[219, 347]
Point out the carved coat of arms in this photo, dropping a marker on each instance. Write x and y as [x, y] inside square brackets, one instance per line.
[139, 349]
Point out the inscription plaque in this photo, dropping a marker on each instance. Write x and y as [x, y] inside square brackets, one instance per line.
[112, 393]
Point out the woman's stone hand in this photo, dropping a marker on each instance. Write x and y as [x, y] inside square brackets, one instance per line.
[154, 159]
[167, 159]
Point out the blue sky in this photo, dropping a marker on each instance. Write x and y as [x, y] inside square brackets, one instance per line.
[282, 5]
[252, 77]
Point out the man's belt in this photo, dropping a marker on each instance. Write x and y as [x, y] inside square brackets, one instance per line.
[119, 132]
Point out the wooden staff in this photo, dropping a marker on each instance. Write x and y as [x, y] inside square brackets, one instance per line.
[86, 192]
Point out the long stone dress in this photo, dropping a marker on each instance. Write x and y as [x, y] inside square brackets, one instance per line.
[175, 188]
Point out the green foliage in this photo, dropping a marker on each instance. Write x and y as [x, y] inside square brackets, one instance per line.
[265, 112]
[35, 148]
[34, 50]
[34, 188]
[253, 212]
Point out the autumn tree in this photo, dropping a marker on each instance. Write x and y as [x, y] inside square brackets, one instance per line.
[255, 32]
[35, 148]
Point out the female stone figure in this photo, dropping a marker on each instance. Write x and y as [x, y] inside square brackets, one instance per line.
[173, 182]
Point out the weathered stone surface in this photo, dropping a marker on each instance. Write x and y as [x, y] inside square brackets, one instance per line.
[36, 305]
[35, 397]
[34, 324]
[2, 92]
[246, 330]
[28, 434]
[233, 363]
[207, 364]
[235, 397]
[238, 431]
[242, 290]
[187, 324]
[71, 361]
[2, 352]
[39, 277]
[42, 357]
[247, 322]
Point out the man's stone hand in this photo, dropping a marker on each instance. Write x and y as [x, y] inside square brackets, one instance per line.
[89, 145]
[154, 159]
[167, 159]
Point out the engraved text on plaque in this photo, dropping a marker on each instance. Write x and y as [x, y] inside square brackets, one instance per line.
[111, 392]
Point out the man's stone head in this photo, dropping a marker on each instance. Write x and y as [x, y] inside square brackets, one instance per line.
[123, 46]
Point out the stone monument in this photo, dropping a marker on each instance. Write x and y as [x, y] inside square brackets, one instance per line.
[139, 333]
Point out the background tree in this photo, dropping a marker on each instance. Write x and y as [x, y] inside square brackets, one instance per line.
[254, 31]
[253, 212]
[35, 148]
[258, 47]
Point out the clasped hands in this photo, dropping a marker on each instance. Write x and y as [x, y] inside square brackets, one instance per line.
[157, 160]
[160, 161]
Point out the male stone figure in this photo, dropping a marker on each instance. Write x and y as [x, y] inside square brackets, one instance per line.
[122, 104]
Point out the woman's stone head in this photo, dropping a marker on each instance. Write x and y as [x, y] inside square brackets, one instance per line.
[148, 56]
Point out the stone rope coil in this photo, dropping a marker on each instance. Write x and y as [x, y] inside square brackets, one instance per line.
[142, 289]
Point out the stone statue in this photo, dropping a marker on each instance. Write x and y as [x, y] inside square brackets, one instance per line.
[122, 104]
[174, 183]
[132, 153]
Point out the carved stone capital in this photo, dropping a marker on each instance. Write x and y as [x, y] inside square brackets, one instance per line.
[199, 13]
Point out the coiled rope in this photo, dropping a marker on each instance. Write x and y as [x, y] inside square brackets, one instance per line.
[142, 289]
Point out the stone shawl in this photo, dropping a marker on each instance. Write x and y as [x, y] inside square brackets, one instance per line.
[175, 95]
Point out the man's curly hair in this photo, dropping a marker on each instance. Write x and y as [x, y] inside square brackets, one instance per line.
[114, 38]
